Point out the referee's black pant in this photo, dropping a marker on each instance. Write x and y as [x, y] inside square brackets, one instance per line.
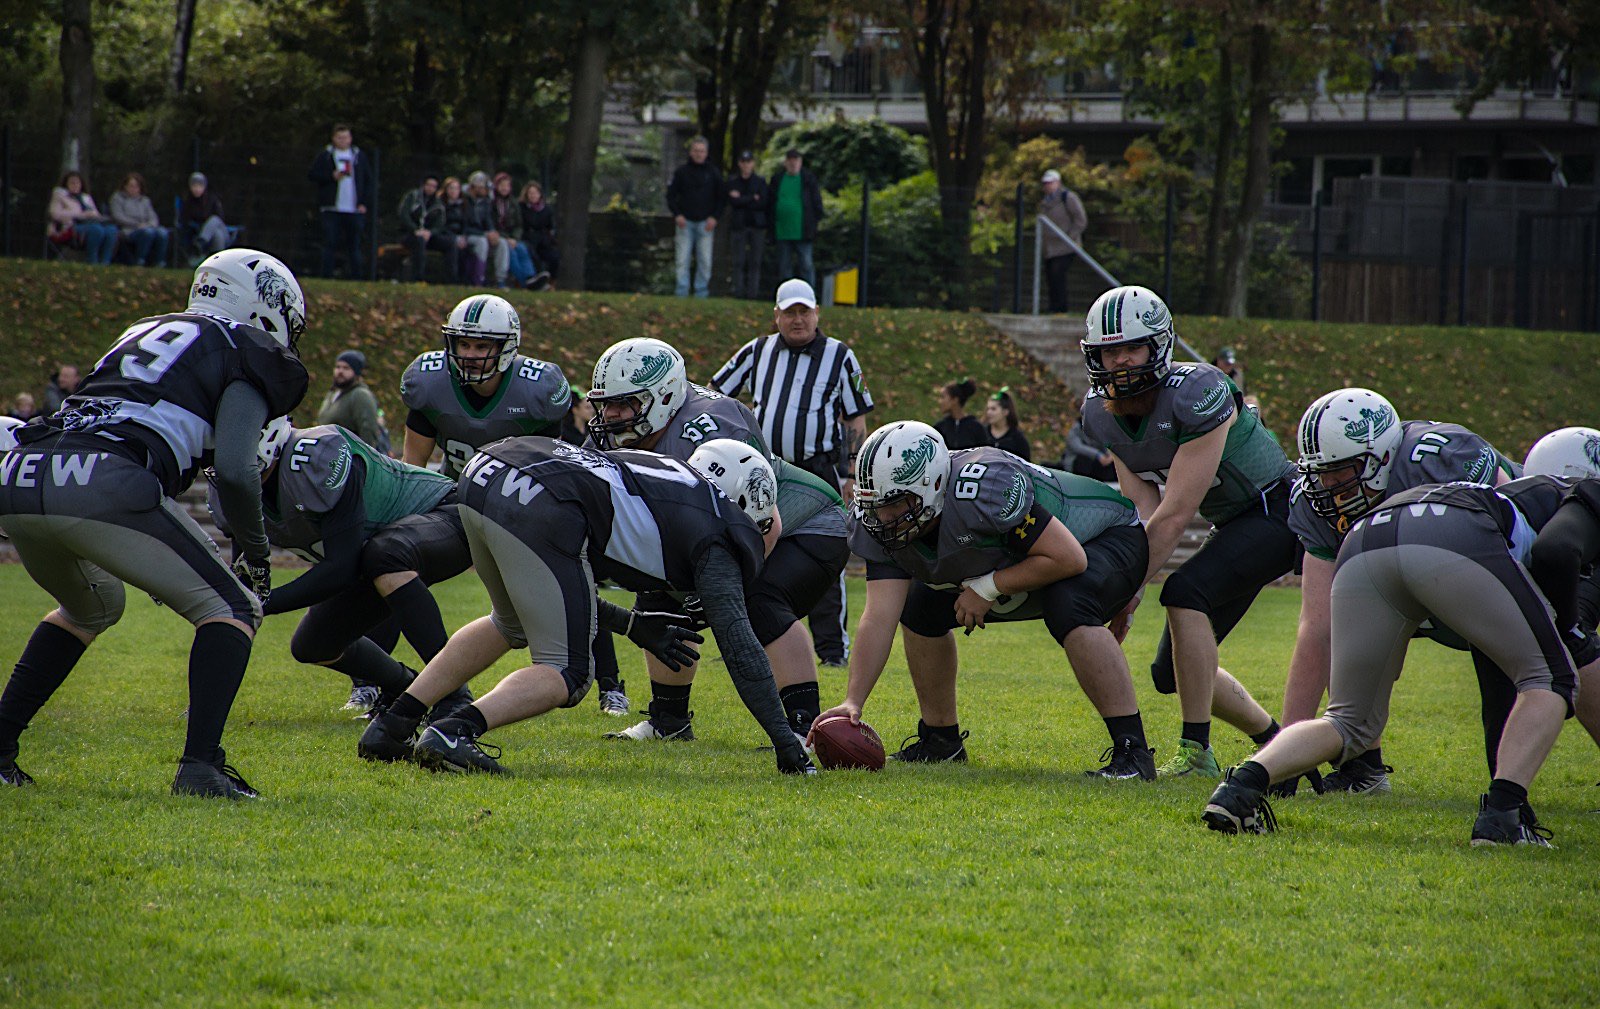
[829, 636]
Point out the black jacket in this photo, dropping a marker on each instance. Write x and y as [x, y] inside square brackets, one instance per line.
[695, 191]
[810, 203]
[418, 211]
[328, 187]
[749, 208]
[480, 215]
[538, 226]
[455, 216]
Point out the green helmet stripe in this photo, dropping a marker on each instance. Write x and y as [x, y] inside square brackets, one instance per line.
[475, 310]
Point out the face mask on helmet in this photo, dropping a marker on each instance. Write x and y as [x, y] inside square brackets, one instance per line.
[1339, 492]
[643, 383]
[900, 476]
[487, 319]
[1123, 383]
[1123, 317]
[1347, 440]
[906, 522]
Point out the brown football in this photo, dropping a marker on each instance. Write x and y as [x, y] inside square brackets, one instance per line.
[842, 746]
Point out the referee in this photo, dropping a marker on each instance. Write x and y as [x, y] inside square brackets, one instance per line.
[812, 401]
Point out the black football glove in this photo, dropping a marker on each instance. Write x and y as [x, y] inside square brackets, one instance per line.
[695, 610]
[794, 760]
[665, 636]
[1286, 788]
[256, 575]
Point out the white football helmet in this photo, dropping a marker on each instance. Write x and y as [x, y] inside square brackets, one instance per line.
[253, 289]
[1348, 429]
[8, 433]
[906, 460]
[643, 373]
[743, 475]
[482, 317]
[1570, 452]
[1128, 315]
[274, 437]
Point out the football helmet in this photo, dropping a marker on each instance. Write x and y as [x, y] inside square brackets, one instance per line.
[743, 476]
[906, 460]
[647, 374]
[8, 433]
[273, 439]
[482, 317]
[1570, 452]
[1348, 429]
[252, 289]
[1126, 315]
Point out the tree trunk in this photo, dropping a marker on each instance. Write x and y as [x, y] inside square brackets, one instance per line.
[1227, 124]
[1257, 172]
[182, 33]
[77, 84]
[584, 111]
[421, 109]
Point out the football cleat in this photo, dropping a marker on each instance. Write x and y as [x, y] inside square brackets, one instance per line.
[1508, 826]
[657, 727]
[363, 698]
[1237, 809]
[450, 703]
[11, 774]
[925, 748]
[615, 702]
[1127, 758]
[388, 739]
[215, 779]
[1287, 788]
[450, 746]
[1191, 759]
[1356, 778]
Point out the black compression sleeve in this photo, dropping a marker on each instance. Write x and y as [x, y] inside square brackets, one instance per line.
[1027, 532]
[721, 589]
[612, 617]
[418, 421]
[343, 536]
[241, 414]
[1569, 542]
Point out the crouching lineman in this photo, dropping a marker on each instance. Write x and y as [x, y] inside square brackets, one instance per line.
[1453, 553]
[1183, 444]
[360, 518]
[544, 519]
[958, 539]
[87, 498]
[643, 399]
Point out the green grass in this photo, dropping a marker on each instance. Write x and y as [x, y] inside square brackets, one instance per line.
[663, 874]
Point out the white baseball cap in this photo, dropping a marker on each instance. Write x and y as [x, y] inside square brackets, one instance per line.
[796, 292]
[1051, 176]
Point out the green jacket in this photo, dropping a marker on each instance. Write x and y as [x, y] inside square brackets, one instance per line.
[354, 409]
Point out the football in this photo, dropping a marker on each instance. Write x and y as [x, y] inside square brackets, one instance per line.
[842, 746]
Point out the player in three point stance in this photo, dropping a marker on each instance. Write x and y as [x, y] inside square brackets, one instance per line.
[544, 520]
[644, 400]
[961, 538]
[88, 496]
[1453, 553]
[1354, 452]
[1184, 428]
[364, 521]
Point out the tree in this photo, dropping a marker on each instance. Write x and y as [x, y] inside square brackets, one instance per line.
[77, 84]
[842, 150]
[584, 108]
[740, 44]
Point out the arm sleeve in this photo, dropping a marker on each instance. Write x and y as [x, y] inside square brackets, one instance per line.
[418, 421]
[340, 566]
[1569, 542]
[721, 589]
[241, 414]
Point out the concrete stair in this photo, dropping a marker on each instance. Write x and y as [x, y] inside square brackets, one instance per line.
[1053, 341]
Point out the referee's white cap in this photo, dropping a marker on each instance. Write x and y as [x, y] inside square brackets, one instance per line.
[796, 292]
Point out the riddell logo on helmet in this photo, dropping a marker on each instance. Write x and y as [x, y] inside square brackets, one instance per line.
[1369, 424]
[914, 461]
[652, 368]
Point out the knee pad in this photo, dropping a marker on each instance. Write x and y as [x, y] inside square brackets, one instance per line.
[1161, 672]
[387, 555]
[578, 684]
[1181, 591]
[310, 650]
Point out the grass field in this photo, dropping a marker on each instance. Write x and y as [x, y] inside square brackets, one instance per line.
[664, 875]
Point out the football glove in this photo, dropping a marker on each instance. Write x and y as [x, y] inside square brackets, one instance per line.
[665, 636]
[256, 575]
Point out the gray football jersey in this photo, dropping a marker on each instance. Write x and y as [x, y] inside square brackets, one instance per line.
[532, 399]
[988, 523]
[807, 504]
[705, 415]
[313, 474]
[1194, 400]
[1430, 452]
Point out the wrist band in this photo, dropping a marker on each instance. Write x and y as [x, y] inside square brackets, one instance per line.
[629, 629]
[984, 586]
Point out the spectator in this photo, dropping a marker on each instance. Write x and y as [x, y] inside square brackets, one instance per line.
[538, 237]
[796, 211]
[575, 425]
[456, 211]
[694, 196]
[62, 384]
[1000, 414]
[480, 221]
[505, 224]
[1227, 362]
[75, 220]
[200, 223]
[747, 197]
[1085, 458]
[344, 188]
[422, 228]
[22, 407]
[957, 427]
[350, 404]
[133, 212]
[1061, 207]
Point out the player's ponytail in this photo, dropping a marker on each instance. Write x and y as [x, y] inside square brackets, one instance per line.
[961, 391]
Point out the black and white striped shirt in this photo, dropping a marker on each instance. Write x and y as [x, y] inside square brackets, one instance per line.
[799, 393]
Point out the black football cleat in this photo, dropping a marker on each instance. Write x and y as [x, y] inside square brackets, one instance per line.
[1288, 787]
[216, 779]
[450, 703]
[11, 774]
[1127, 758]
[1508, 826]
[388, 739]
[927, 748]
[451, 746]
[1353, 777]
[1238, 809]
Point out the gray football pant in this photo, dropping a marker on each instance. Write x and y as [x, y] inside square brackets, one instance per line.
[1395, 570]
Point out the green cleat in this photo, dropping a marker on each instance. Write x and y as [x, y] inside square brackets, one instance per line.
[1191, 759]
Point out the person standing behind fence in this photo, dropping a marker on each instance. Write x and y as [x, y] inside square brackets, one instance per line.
[201, 227]
[748, 200]
[694, 196]
[344, 189]
[1061, 207]
[505, 221]
[812, 401]
[422, 227]
[135, 215]
[796, 212]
